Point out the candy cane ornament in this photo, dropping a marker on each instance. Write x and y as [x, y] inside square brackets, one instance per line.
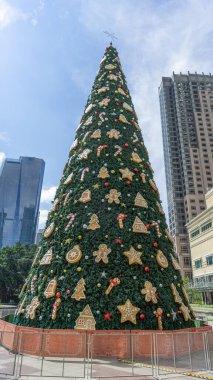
[32, 284]
[156, 225]
[84, 171]
[100, 148]
[71, 218]
[118, 151]
[135, 138]
[113, 282]
[101, 117]
[86, 135]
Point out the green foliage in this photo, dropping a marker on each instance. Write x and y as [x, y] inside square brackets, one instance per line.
[15, 263]
[195, 297]
[93, 150]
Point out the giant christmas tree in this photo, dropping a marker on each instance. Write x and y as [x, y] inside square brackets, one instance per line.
[105, 260]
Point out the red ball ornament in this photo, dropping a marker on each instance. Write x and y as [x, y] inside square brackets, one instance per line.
[146, 269]
[127, 91]
[135, 170]
[116, 120]
[118, 241]
[128, 182]
[119, 85]
[126, 144]
[155, 244]
[68, 291]
[147, 226]
[58, 295]
[142, 316]
[107, 316]
[106, 184]
[96, 113]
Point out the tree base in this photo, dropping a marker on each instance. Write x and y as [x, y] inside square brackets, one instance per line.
[122, 344]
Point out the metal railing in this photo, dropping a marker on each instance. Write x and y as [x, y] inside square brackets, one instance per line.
[82, 355]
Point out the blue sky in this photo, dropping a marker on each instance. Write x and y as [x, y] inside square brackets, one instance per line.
[50, 51]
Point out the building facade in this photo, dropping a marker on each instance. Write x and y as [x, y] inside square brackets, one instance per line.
[200, 231]
[186, 104]
[20, 191]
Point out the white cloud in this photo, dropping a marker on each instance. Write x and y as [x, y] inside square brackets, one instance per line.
[4, 137]
[9, 14]
[47, 195]
[2, 158]
[155, 39]
[42, 218]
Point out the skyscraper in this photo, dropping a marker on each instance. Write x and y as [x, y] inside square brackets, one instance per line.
[20, 191]
[186, 104]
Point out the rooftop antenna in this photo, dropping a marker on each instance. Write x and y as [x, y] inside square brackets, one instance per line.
[112, 36]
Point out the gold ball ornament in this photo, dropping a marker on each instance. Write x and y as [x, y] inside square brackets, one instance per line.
[168, 315]
[139, 246]
[79, 237]
[99, 285]
[65, 270]
[79, 269]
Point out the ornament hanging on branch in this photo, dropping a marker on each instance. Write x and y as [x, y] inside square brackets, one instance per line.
[47, 258]
[159, 314]
[161, 259]
[103, 173]
[139, 226]
[71, 218]
[140, 201]
[110, 67]
[126, 173]
[133, 256]
[120, 91]
[127, 107]
[55, 308]
[74, 255]
[32, 286]
[135, 138]
[175, 264]
[31, 309]
[49, 230]
[128, 312]
[100, 148]
[89, 108]
[104, 102]
[93, 223]
[170, 238]
[101, 117]
[79, 290]
[136, 158]
[113, 282]
[83, 174]
[85, 321]
[118, 151]
[123, 119]
[102, 90]
[120, 219]
[185, 311]
[102, 254]
[67, 197]
[51, 288]
[85, 196]
[113, 134]
[88, 121]
[143, 177]
[153, 185]
[84, 155]
[156, 225]
[150, 292]
[96, 134]
[113, 196]
[21, 306]
[160, 209]
[68, 180]
[176, 295]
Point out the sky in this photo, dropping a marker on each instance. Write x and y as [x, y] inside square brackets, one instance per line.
[50, 51]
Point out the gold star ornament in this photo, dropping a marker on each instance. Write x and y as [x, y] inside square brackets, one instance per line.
[128, 312]
[133, 256]
[126, 173]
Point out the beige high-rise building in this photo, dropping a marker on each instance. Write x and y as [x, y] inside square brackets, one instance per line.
[186, 103]
[200, 231]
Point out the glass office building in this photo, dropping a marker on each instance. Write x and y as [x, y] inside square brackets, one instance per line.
[20, 190]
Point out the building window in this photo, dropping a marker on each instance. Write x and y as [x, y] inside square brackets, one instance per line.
[184, 249]
[209, 260]
[206, 226]
[187, 261]
[198, 263]
[195, 233]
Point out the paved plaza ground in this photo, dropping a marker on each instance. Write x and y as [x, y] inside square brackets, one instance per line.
[31, 368]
